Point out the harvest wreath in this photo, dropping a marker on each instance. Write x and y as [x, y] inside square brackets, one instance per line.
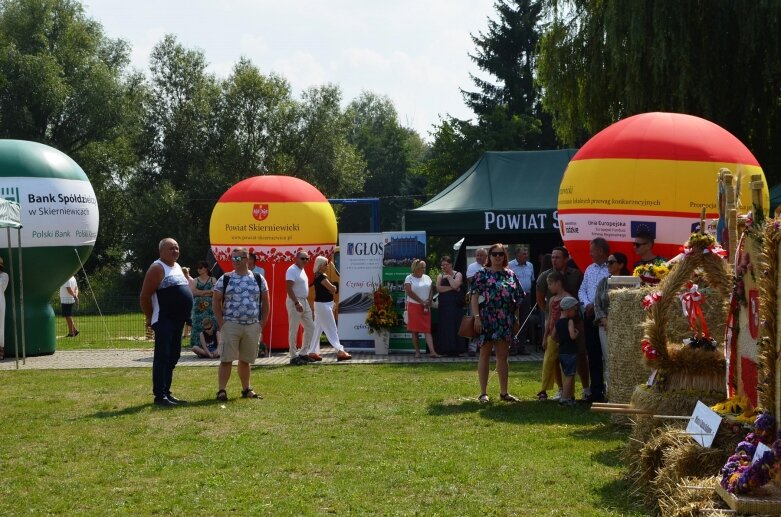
[697, 364]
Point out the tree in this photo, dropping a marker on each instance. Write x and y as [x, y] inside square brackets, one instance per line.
[605, 60]
[317, 149]
[390, 152]
[171, 189]
[64, 84]
[256, 113]
[508, 107]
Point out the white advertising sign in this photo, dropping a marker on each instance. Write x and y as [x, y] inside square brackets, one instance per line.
[360, 269]
[54, 211]
[703, 424]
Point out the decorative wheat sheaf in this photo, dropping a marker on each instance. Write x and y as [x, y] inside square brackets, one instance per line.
[767, 387]
[719, 277]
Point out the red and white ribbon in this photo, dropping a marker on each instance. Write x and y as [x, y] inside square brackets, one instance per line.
[691, 303]
[650, 299]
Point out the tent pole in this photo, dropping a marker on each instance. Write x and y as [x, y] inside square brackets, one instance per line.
[21, 294]
[13, 296]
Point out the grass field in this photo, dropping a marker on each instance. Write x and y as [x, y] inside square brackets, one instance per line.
[379, 439]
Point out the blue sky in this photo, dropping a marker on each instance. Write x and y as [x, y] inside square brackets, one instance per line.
[415, 52]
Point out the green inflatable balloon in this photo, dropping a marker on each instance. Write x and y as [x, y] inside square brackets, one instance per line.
[59, 214]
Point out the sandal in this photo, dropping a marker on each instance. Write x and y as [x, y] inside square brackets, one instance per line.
[483, 399]
[249, 393]
[222, 396]
[542, 396]
[509, 398]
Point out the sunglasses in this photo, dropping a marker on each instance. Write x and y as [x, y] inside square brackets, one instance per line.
[611, 262]
[638, 244]
[238, 258]
[207, 328]
[303, 258]
[497, 253]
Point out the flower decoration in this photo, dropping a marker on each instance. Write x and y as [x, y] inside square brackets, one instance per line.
[739, 475]
[648, 350]
[653, 272]
[738, 408]
[382, 314]
[706, 242]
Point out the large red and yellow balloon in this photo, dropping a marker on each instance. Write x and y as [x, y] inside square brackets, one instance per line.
[651, 172]
[273, 217]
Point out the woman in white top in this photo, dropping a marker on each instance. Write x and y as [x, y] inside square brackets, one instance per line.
[3, 285]
[419, 290]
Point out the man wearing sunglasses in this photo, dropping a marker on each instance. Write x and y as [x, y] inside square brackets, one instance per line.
[237, 300]
[298, 310]
[644, 247]
[166, 301]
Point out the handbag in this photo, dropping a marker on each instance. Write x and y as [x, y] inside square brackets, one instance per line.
[467, 327]
[405, 314]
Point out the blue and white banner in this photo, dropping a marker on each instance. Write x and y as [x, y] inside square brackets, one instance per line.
[360, 269]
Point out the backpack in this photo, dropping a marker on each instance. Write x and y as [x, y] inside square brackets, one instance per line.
[258, 279]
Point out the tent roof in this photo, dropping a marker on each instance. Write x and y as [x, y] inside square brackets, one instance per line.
[10, 215]
[508, 192]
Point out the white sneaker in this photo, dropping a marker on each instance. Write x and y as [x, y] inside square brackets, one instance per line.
[557, 396]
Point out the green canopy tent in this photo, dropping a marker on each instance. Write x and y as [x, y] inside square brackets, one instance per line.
[10, 217]
[775, 197]
[508, 196]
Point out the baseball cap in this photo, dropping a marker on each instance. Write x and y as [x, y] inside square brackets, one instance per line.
[568, 302]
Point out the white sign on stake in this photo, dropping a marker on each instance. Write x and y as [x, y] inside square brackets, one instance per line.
[761, 450]
[703, 424]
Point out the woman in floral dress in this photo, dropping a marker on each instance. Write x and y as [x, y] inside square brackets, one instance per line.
[495, 295]
[202, 301]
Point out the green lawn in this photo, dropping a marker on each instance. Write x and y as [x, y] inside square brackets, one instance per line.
[374, 439]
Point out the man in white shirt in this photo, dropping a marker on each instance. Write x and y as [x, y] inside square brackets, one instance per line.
[524, 270]
[595, 272]
[481, 257]
[298, 310]
[69, 296]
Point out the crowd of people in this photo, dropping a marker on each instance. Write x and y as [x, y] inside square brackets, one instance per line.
[228, 314]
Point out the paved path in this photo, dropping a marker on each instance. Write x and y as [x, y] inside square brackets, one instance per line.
[142, 358]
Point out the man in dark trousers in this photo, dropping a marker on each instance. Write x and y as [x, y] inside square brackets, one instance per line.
[595, 272]
[166, 301]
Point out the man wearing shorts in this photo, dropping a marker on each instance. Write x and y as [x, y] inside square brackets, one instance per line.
[239, 317]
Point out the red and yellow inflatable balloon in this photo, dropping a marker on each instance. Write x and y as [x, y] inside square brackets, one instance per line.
[274, 217]
[650, 172]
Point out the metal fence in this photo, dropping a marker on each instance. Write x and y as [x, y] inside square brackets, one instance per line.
[118, 320]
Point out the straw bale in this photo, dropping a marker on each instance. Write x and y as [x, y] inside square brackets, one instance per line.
[684, 501]
[669, 456]
[674, 402]
[624, 332]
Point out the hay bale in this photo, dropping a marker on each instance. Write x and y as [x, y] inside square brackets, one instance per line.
[624, 333]
[675, 402]
[683, 501]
